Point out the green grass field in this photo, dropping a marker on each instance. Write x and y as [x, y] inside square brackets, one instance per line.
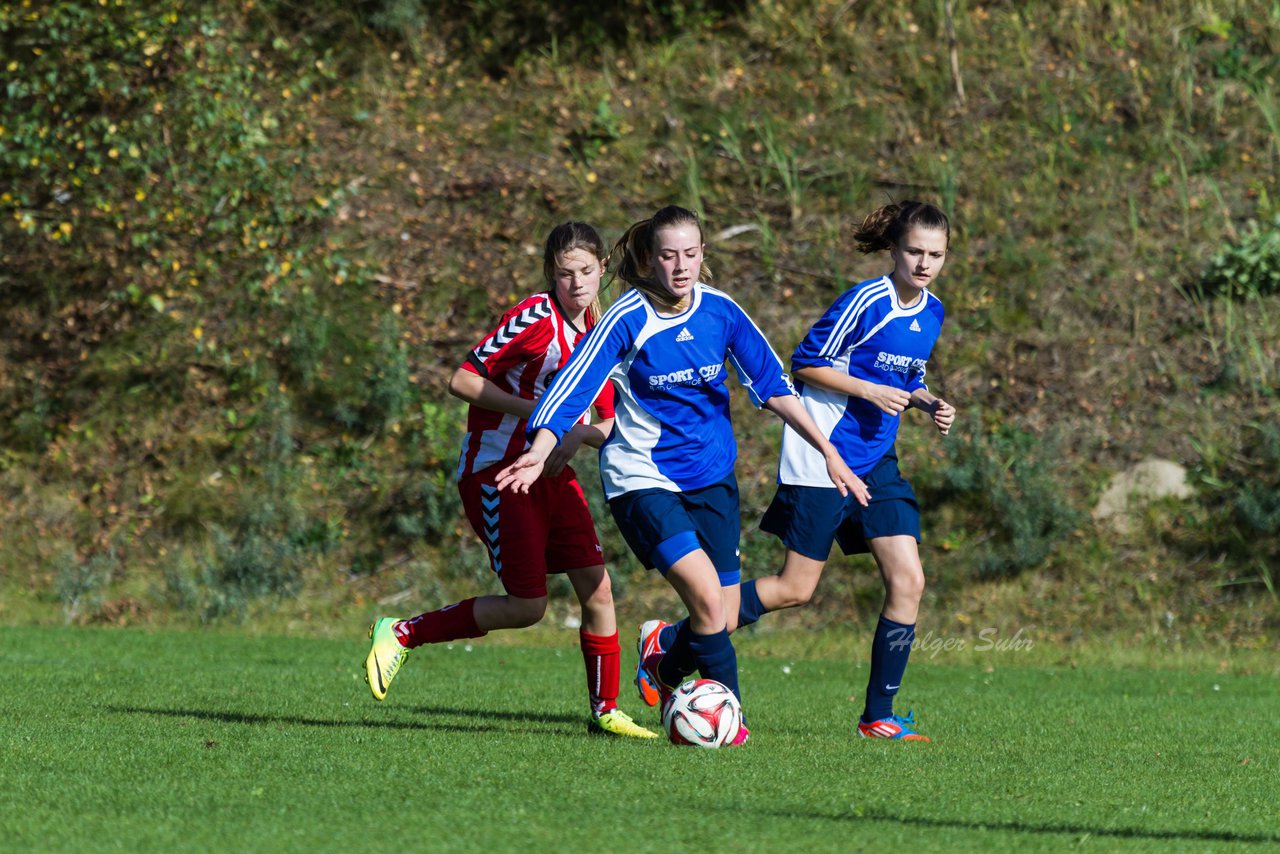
[216, 741]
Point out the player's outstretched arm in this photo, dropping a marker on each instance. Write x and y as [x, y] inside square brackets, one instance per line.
[792, 411]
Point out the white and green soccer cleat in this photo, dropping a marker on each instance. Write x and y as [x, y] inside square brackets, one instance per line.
[385, 657]
[618, 723]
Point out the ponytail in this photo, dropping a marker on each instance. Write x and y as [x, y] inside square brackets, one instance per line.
[632, 255]
[886, 225]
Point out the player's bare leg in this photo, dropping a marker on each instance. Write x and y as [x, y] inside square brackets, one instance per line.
[793, 586]
[601, 654]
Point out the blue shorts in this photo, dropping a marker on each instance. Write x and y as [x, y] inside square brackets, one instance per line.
[808, 519]
[662, 526]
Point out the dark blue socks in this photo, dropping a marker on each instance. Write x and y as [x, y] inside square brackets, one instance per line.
[667, 637]
[677, 659]
[750, 609]
[889, 652]
[717, 659]
[713, 656]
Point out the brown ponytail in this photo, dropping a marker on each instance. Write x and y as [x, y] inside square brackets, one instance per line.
[885, 226]
[632, 256]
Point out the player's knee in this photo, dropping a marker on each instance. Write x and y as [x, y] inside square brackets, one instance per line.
[908, 586]
[526, 612]
[602, 595]
[707, 616]
[595, 593]
[794, 593]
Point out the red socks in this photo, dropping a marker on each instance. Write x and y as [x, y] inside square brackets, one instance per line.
[449, 623]
[601, 654]
[603, 658]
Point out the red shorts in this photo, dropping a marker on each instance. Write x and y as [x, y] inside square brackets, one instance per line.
[548, 530]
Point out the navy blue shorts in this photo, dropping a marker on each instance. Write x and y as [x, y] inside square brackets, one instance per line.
[808, 519]
[662, 526]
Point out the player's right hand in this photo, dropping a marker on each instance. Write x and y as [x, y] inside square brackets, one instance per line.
[521, 474]
[846, 481]
[893, 401]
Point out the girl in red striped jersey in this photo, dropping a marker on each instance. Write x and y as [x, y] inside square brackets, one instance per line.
[549, 529]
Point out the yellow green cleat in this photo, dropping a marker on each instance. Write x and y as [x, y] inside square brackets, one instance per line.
[618, 723]
[385, 657]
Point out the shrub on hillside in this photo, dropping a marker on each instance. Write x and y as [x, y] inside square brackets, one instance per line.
[494, 33]
[1248, 267]
[1243, 503]
[1001, 481]
[81, 585]
[157, 174]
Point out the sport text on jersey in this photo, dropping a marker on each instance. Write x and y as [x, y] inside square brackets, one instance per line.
[898, 364]
[688, 376]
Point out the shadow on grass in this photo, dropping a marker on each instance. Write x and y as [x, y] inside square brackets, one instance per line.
[1028, 827]
[502, 716]
[542, 724]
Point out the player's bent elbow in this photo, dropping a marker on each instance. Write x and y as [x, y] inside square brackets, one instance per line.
[455, 386]
[463, 385]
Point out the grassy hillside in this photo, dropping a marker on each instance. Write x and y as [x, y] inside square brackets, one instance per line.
[244, 245]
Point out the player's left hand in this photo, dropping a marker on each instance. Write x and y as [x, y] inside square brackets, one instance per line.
[846, 481]
[944, 415]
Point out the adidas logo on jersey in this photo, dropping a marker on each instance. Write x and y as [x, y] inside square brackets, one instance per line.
[685, 335]
[915, 326]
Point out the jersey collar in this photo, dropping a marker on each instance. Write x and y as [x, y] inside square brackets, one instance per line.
[563, 314]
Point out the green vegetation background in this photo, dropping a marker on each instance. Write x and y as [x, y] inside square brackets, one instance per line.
[245, 243]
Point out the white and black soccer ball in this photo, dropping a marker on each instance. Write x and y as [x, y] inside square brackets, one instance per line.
[702, 713]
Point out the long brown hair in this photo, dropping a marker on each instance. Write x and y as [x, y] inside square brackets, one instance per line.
[566, 237]
[885, 226]
[633, 253]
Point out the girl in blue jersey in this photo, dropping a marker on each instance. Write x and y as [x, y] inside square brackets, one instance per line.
[668, 466]
[859, 367]
[530, 536]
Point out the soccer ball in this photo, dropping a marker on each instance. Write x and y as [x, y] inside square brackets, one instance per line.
[702, 713]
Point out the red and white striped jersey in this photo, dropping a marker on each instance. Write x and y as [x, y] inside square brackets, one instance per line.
[531, 342]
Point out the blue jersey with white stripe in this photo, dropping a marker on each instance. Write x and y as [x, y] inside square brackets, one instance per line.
[868, 334]
[671, 428]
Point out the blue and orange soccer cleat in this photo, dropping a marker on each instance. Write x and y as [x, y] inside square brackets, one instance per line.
[649, 653]
[894, 726]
